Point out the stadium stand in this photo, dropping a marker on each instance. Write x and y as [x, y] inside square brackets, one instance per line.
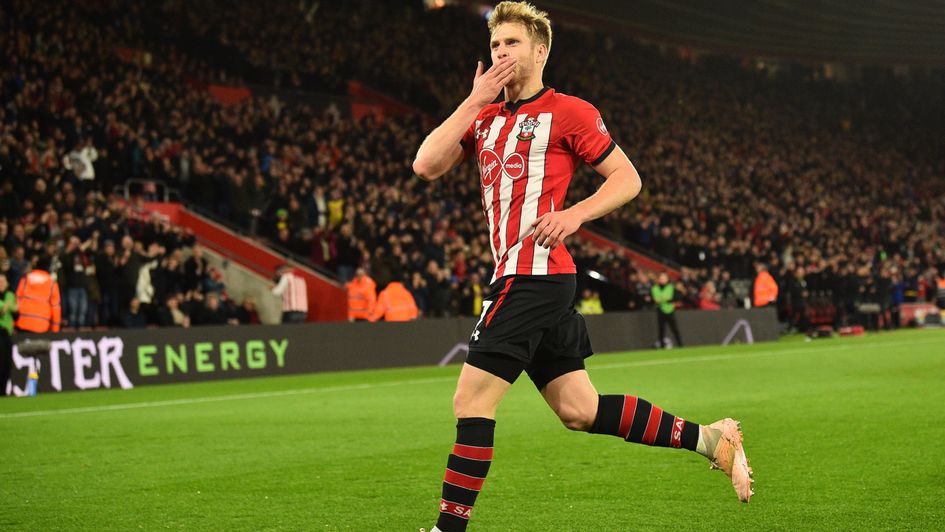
[739, 167]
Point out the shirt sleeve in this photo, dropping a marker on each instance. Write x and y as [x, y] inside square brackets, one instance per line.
[468, 142]
[588, 136]
[279, 289]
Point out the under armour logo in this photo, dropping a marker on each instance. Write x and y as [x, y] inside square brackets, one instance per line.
[475, 336]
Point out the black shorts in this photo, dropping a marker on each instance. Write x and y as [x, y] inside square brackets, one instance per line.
[528, 323]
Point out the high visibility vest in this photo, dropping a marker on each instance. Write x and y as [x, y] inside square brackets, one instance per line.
[37, 297]
[395, 303]
[766, 290]
[362, 296]
[940, 288]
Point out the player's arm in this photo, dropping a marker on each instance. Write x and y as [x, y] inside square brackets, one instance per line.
[622, 184]
[441, 150]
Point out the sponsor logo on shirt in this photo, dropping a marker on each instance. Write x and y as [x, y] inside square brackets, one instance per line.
[491, 167]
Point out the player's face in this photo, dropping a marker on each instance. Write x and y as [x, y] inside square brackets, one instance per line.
[512, 40]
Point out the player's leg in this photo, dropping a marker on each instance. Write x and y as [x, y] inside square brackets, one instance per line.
[660, 328]
[515, 315]
[675, 328]
[478, 394]
[575, 401]
[558, 373]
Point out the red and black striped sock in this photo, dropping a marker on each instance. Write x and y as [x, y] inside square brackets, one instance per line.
[466, 470]
[637, 420]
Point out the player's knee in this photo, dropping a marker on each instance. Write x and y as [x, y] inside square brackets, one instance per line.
[577, 417]
[465, 405]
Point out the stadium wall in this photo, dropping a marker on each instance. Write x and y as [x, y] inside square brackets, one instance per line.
[127, 358]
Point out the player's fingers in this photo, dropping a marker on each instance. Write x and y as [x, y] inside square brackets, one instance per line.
[558, 233]
[539, 220]
[549, 234]
[498, 74]
[552, 237]
[502, 65]
[541, 235]
[478, 69]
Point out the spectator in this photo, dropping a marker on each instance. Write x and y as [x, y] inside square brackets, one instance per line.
[80, 161]
[292, 289]
[471, 297]
[418, 289]
[134, 317]
[129, 264]
[709, 298]
[798, 297]
[195, 270]
[106, 272]
[171, 315]
[76, 263]
[8, 307]
[590, 303]
[247, 314]
[19, 266]
[212, 313]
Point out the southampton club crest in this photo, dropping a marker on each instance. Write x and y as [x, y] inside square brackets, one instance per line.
[527, 128]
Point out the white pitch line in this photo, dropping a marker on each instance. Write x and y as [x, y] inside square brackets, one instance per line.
[712, 358]
[232, 397]
[366, 386]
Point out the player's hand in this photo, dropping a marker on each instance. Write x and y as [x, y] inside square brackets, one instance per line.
[488, 84]
[552, 228]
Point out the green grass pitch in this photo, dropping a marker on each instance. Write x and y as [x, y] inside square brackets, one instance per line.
[843, 434]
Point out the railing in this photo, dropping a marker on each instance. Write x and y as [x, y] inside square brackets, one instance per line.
[246, 232]
[636, 248]
[149, 189]
[159, 191]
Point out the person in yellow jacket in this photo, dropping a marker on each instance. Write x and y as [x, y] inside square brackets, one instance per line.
[37, 298]
[7, 309]
[766, 288]
[590, 303]
[362, 296]
[395, 303]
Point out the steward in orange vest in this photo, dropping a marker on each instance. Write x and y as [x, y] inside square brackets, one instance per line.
[395, 303]
[362, 296]
[766, 289]
[37, 297]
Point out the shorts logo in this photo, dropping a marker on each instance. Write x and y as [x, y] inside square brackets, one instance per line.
[491, 167]
[485, 309]
[527, 128]
[600, 126]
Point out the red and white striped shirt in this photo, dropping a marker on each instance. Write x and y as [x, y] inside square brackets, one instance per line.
[294, 293]
[527, 153]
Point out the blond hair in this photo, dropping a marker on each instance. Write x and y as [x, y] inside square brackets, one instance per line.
[536, 22]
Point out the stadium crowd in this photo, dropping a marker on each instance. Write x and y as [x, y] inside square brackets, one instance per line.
[809, 177]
